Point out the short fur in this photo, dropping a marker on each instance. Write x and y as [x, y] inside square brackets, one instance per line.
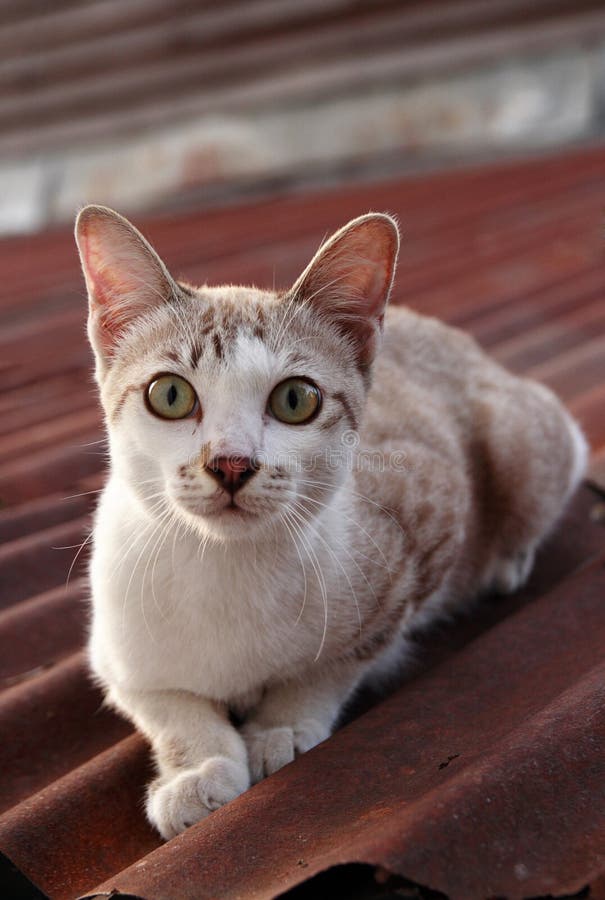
[429, 475]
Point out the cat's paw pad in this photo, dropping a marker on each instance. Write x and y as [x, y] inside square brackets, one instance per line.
[174, 805]
[271, 748]
[511, 573]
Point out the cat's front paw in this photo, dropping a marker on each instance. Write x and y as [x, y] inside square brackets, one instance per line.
[270, 748]
[511, 572]
[175, 804]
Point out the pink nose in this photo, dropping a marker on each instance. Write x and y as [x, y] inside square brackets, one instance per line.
[232, 472]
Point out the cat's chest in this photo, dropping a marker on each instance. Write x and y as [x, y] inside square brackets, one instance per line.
[216, 624]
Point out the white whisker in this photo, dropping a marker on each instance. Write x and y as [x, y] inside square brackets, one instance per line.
[320, 580]
[284, 518]
[336, 560]
[349, 519]
[81, 546]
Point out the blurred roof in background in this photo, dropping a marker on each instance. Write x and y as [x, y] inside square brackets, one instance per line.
[151, 103]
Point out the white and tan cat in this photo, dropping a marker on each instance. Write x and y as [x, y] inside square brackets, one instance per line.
[296, 479]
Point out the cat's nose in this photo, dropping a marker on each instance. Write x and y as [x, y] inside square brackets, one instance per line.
[231, 472]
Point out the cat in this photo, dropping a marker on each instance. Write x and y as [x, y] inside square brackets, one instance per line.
[297, 479]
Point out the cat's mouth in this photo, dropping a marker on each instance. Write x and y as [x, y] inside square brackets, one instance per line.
[232, 514]
[232, 509]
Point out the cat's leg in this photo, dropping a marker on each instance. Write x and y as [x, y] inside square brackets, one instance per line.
[201, 758]
[509, 573]
[535, 456]
[295, 716]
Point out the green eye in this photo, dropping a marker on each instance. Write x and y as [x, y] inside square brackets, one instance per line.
[171, 397]
[294, 401]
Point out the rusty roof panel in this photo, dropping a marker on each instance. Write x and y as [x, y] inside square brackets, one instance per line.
[52, 548]
[85, 824]
[482, 775]
[56, 721]
[38, 632]
[40, 513]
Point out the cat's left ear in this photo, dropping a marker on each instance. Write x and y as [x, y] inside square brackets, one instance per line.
[124, 276]
[350, 278]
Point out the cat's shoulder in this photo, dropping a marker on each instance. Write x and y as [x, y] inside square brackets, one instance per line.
[404, 324]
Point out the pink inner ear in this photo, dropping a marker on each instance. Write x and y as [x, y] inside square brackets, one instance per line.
[355, 272]
[350, 278]
[377, 247]
[124, 276]
[374, 289]
[107, 291]
[101, 285]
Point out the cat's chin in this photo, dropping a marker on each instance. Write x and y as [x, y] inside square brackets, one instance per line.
[230, 523]
[236, 525]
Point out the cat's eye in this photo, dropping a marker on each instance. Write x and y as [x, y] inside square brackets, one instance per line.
[171, 397]
[295, 401]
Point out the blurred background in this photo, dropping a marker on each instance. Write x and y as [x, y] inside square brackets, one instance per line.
[163, 104]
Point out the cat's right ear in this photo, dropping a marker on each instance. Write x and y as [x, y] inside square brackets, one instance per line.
[124, 276]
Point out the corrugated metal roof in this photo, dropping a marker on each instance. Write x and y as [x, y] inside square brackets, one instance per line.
[483, 775]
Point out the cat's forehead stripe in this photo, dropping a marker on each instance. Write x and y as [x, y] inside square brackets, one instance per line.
[199, 342]
[218, 345]
[220, 330]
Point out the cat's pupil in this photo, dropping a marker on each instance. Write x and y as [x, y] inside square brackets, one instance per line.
[171, 395]
[292, 399]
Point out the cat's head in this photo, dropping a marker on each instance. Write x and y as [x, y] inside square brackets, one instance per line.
[229, 407]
